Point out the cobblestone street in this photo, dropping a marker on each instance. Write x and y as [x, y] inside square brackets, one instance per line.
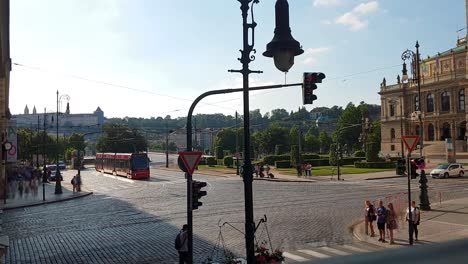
[128, 221]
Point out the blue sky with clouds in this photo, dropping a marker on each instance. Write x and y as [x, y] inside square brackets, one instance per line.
[160, 55]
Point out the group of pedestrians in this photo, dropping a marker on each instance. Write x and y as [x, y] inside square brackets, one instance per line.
[304, 169]
[261, 171]
[22, 182]
[386, 218]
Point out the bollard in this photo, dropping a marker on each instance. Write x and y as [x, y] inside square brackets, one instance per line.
[440, 198]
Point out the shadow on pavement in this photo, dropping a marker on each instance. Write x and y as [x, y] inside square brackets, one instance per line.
[94, 229]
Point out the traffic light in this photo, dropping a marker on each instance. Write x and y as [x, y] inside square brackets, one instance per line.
[197, 193]
[309, 85]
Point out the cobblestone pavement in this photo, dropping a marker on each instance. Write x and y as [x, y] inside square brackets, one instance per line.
[128, 221]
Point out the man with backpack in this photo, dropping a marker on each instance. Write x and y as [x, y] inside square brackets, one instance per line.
[181, 244]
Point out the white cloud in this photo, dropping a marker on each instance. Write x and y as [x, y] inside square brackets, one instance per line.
[354, 19]
[326, 22]
[365, 8]
[313, 53]
[326, 2]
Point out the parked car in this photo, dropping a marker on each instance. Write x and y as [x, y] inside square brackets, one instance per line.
[62, 165]
[448, 170]
[53, 173]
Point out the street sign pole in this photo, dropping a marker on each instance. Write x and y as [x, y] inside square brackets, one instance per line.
[410, 142]
[187, 162]
[189, 217]
[410, 220]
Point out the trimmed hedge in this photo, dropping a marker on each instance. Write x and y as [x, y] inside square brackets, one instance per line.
[271, 159]
[228, 161]
[317, 162]
[211, 161]
[310, 156]
[283, 164]
[375, 165]
[359, 153]
[350, 161]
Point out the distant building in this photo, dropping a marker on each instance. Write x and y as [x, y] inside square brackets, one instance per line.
[203, 138]
[442, 105]
[68, 123]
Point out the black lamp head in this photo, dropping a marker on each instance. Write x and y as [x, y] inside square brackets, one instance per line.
[283, 47]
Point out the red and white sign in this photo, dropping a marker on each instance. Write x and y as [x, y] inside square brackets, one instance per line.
[410, 142]
[191, 160]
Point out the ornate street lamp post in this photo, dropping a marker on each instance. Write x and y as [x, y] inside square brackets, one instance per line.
[407, 55]
[283, 48]
[58, 183]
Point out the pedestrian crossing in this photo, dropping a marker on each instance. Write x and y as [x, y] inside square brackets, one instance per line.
[325, 252]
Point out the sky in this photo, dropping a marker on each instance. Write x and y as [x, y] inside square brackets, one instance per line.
[151, 58]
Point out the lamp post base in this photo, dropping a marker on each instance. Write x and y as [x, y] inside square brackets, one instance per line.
[424, 203]
[58, 183]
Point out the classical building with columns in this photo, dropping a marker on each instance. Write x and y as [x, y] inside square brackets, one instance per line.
[442, 104]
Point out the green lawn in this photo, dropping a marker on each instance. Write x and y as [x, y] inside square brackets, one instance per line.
[328, 170]
[316, 171]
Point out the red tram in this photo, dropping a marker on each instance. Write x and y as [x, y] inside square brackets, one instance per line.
[130, 165]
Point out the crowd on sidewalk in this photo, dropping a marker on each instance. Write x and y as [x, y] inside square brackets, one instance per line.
[386, 219]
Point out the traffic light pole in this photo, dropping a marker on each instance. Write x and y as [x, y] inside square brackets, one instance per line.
[190, 148]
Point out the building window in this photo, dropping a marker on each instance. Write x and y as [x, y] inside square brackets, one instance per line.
[445, 102]
[430, 132]
[392, 147]
[446, 133]
[392, 133]
[461, 100]
[392, 109]
[430, 103]
[416, 103]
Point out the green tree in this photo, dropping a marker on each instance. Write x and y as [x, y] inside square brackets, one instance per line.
[325, 141]
[312, 143]
[226, 139]
[272, 136]
[77, 141]
[278, 114]
[120, 138]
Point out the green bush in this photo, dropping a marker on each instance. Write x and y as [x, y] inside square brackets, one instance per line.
[317, 162]
[283, 164]
[372, 153]
[211, 161]
[375, 165]
[219, 152]
[271, 159]
[332, 156]
[228, 161]
[310, 156]
[295, 157]
[360, 153]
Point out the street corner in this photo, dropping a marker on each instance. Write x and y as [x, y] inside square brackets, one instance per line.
[53, 198]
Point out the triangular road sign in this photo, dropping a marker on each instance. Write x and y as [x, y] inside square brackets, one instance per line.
[190, 160]
[410, 141]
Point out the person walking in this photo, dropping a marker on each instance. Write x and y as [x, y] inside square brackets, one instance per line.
[370, 216]
[391, 221]
[415, 219]
[381, 220]
[181, 245]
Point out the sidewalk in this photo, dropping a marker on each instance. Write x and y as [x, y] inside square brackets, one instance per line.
[448, 221]
[30, 200]
[231, 173]
[50, 196]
